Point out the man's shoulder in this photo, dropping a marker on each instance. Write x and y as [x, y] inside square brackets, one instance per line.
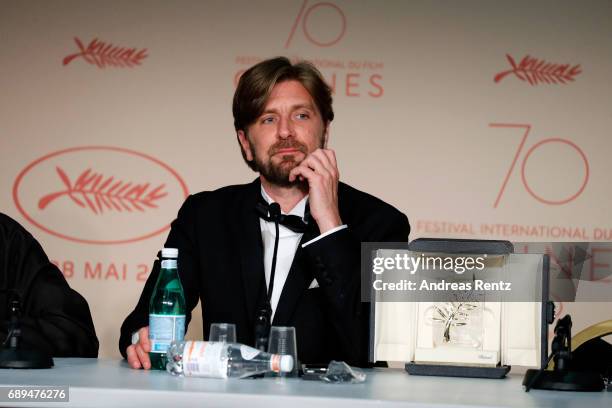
[370, 218]
[8, 222]
[353, 200]
[9, 228]
[223, 198]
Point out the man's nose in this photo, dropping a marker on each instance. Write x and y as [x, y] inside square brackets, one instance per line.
[285, 128]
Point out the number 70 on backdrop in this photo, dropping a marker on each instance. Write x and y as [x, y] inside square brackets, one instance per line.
[521, 160]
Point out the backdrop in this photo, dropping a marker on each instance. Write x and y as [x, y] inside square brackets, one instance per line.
[475, 118]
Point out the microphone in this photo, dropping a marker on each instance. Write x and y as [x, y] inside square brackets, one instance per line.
[275, 211]
[14, 356]
[562, 377]
[262, 326]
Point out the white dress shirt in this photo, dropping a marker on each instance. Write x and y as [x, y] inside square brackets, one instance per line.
[288, 242]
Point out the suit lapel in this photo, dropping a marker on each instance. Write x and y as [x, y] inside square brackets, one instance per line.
[297, 282]
[248, 231]
[300, 274]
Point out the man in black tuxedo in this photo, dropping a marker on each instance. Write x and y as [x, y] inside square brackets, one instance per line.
[294, 263]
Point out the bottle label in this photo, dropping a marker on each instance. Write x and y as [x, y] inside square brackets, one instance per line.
[164, 329]
[275, 363]
[168, 264]
[248, 353]
[204, 359]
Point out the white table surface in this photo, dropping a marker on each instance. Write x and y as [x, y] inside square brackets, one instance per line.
[111, 383]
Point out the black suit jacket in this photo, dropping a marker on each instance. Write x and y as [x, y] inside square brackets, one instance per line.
[54, 317]
[221, 262]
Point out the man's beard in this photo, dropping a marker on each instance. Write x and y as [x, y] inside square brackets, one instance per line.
[278, 173]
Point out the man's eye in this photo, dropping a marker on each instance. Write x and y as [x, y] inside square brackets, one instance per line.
[267, 120]
[302, 116]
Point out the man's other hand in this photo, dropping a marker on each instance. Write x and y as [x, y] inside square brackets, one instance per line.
[138, 354]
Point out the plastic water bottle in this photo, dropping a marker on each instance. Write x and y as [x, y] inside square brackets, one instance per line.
[166, 310]
[223, 360]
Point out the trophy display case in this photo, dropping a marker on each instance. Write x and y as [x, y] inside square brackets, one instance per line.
[473, 323]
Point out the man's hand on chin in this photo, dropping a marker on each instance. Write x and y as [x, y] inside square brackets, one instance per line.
[320, 171]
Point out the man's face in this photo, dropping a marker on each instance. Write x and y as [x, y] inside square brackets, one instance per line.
[288, 130]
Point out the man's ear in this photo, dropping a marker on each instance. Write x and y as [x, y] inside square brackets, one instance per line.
[244, 144]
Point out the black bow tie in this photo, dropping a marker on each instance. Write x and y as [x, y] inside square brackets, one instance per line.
[272, 213]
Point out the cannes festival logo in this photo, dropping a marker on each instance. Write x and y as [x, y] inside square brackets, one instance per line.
[538, 71]
[129, 196]
[98, 193]
[104, 55]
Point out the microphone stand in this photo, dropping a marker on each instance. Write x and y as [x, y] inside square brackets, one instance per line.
[263, 319]
[14, 356]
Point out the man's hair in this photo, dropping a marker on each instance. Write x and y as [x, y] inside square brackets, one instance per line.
[256, 84]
